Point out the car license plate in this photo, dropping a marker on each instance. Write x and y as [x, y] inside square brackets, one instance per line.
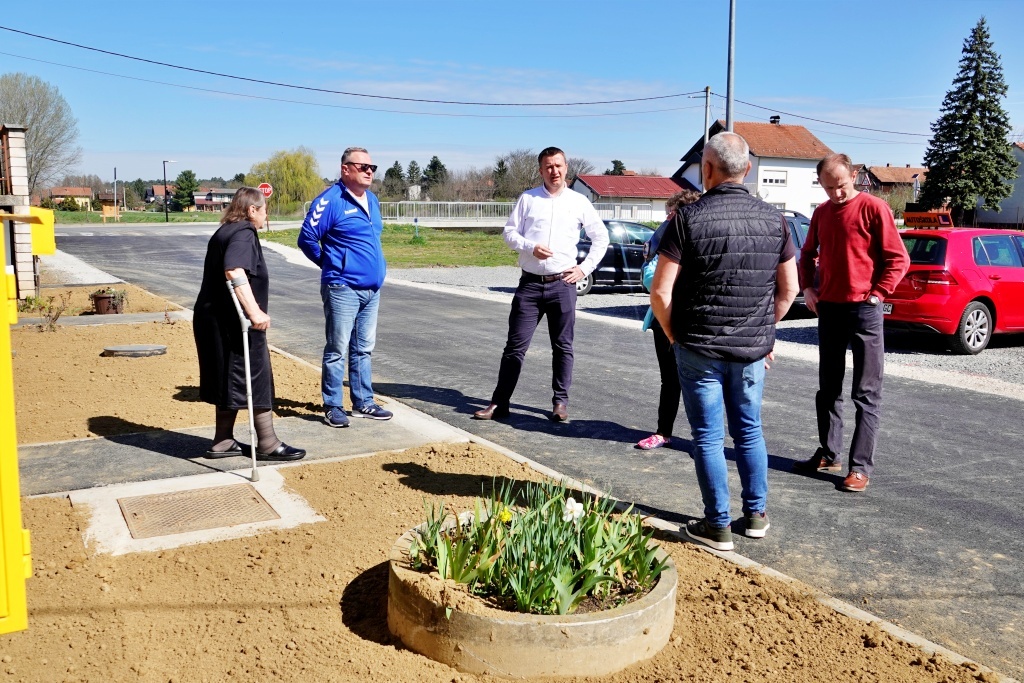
[886, 309]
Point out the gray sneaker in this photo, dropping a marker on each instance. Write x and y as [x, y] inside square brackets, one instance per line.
[757, 524]
[719, 539]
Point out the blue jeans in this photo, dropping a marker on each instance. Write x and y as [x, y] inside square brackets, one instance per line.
[710, 388]
[351, 324]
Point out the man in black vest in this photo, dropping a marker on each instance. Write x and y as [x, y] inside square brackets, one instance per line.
[726, 275]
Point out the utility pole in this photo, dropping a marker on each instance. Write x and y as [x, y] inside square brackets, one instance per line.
[707, 125]
[166, 161]
[115, 193]
[732, 55]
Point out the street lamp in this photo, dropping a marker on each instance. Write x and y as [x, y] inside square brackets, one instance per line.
[166, 161]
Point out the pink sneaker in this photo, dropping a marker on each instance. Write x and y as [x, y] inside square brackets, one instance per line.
[653, 441]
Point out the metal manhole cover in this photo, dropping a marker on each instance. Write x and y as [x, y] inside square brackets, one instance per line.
[163, 514]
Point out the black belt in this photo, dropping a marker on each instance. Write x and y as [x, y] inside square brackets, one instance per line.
[530, 277]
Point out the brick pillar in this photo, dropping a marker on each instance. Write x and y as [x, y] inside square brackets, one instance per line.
[16, 164]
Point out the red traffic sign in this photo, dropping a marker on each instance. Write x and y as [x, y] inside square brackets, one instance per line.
[266, 188]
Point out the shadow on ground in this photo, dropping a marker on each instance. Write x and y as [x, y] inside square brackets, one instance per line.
[364, 605]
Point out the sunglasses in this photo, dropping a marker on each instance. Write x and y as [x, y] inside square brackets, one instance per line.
[363, 168]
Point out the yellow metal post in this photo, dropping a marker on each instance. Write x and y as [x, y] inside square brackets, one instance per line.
[43, 239]
[15, 546]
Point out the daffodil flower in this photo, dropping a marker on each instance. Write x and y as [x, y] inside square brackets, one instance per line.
[573, 510]
[505, 515]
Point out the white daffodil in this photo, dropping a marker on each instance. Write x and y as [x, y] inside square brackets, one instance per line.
[573, 510]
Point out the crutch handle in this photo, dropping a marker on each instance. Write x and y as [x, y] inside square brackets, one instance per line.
[246, 324]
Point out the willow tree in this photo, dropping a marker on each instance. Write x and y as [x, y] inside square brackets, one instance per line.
[295, 176]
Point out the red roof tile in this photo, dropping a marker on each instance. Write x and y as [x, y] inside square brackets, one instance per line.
[897, 174]
[1019, 144]
[71, 192]
[780, 141]
[648, 187]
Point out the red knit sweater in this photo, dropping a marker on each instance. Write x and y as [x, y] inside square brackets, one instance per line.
[859, 251]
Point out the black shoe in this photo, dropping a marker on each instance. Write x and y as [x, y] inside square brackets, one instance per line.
[282, 453]
[238, 449]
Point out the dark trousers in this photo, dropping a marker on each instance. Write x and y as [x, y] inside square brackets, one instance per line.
[668, 402]
[532, 301]
[858, 325]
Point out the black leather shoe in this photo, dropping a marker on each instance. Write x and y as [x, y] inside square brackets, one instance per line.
[238, 449]
[282, 453]
[560, 413]
[491, 412]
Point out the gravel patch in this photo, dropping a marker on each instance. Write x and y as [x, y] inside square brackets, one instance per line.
[920, 356]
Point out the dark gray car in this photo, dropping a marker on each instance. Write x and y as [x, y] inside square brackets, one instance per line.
[622, 263]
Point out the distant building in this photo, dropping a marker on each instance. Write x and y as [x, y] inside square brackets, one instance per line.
[888, 178]
[81, 195]
[213, 199]
[631, 194]
[783, 161]
[155, 193]
[1011, 213]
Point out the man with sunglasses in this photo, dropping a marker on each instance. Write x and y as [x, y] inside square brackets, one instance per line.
[341, 234]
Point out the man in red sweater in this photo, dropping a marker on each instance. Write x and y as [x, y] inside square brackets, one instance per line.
[861, 259]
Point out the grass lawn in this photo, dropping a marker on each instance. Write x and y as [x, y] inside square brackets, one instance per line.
[73, 217]
[433, 248]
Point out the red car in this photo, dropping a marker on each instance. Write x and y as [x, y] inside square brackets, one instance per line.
[965, 283]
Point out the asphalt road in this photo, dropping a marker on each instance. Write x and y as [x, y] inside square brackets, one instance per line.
[934, 545]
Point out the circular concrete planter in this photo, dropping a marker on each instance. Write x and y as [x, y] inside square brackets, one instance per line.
[491, 641]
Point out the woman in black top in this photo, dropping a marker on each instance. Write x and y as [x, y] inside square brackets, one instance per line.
[234, 254]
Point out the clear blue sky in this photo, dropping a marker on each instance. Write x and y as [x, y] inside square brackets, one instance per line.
[875, 64]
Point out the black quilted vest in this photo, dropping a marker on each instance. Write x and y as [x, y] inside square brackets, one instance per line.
[723, 302]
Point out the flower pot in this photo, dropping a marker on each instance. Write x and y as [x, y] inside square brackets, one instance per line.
[105, 304]
[449, 626]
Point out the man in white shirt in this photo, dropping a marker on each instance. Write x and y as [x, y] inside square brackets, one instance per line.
[544, 228]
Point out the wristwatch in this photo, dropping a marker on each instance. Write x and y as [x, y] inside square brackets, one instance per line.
[874, 300]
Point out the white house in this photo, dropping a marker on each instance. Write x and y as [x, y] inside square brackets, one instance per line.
[1011, 214]
[630, 196]
[782, 164]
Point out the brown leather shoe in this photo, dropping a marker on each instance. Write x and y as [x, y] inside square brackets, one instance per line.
[560, 413]
[855, 481]
[819, 462]
[491, 412]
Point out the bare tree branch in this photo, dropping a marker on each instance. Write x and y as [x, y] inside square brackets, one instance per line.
[51, 129]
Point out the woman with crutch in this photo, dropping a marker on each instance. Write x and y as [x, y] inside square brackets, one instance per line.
[234, 256]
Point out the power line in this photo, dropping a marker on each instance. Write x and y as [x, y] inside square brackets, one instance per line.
[342, 92]
[342, 106]
[831, 123]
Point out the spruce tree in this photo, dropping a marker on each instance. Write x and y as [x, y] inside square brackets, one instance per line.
[394, 182]
[413, 176]
[435, 173]
[969, 157]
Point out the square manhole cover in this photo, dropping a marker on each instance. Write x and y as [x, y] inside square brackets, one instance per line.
[163, 514]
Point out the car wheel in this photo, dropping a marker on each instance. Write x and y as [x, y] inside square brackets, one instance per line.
[585, 285]
[975, 330]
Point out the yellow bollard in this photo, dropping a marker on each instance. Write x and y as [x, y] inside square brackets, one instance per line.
[15, 544]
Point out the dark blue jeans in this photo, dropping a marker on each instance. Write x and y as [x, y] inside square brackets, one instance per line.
[532, 301]
[859, 326]
[715, 392]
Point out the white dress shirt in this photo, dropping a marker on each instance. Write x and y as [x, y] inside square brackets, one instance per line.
[554, 221]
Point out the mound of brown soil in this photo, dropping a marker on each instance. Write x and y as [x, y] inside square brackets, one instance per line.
[309, 604]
